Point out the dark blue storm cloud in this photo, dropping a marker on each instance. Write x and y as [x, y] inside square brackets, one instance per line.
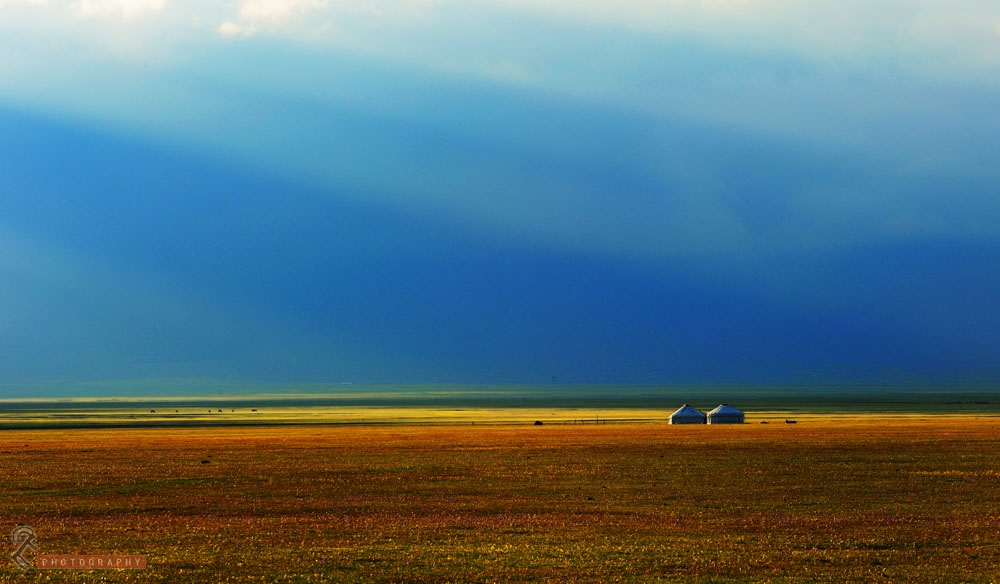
[271, 194]
[138, 261]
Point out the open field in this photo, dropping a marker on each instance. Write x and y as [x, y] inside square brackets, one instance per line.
[440, 405]
[857, 498]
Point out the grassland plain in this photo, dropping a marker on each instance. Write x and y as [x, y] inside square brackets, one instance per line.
[908, 498]
[442, 404]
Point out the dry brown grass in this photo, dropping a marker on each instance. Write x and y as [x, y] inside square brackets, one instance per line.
[916, 499]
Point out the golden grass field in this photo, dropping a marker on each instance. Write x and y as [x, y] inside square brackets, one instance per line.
[907, 498]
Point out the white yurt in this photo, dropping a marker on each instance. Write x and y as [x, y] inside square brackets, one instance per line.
[725, 414]
[687, 415]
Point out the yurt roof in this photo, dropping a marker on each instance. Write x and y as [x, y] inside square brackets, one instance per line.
[725, 410]
[686, 411]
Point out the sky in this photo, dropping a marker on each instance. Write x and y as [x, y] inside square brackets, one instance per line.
[267, 193]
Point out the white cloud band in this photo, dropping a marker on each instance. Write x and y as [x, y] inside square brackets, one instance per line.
[257, 15]
[123, 8]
